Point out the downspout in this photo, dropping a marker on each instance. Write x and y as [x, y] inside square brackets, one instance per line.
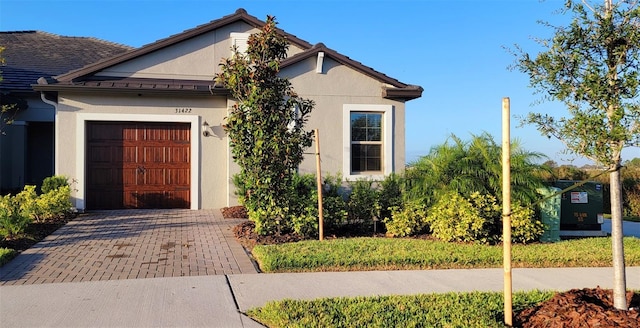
[55, 128]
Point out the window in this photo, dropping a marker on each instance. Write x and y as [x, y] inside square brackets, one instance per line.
[368, 141]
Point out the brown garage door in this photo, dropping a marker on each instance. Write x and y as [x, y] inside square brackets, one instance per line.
[138, 165]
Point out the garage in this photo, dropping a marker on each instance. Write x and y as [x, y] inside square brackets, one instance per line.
[138, 165]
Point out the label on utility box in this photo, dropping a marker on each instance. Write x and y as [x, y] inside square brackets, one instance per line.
[579, 197]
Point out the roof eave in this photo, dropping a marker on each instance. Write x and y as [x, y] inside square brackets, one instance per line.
[196, 91]
[404, 94]
[239, 15]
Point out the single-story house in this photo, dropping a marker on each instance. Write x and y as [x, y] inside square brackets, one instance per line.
[27, 145]
[143, 129]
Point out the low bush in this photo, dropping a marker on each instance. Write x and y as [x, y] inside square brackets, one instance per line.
[362, 204]
[455, 218]
[13, 219]
[390, 195]
[407, 220]
[525, 228]
[53, 183]
[17, 212]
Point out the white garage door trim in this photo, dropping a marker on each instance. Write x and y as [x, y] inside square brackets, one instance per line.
[81, 120]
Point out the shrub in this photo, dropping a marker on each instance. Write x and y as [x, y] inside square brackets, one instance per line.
[304, 219]
[479, 218]
[525, 227]
[55, 203]
[13, 220]
[362, 203]
[390, 195]
[454, 218]
[333, 204]
[27, 201]
[53, 183]
[407, 220]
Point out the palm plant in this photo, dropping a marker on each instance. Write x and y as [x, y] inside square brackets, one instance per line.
[474, 166]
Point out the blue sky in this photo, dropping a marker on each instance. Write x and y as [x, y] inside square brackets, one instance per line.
[453, 49]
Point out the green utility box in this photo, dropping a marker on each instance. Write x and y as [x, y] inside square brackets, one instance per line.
[550, 214]
[582, 208]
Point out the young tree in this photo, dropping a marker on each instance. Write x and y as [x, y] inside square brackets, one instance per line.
[265, 127]
[592, 67]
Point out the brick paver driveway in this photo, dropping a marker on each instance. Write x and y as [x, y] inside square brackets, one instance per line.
[132, 244]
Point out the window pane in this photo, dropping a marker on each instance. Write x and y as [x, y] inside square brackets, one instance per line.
[366, 126]
[374, 134]
[366, 158]
[357, 160]
[374, 120]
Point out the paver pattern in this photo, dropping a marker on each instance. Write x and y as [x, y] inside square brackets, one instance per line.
[132, 244]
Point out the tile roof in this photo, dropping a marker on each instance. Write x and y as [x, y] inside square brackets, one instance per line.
[30, 55]
[398, 90]
[83, 78]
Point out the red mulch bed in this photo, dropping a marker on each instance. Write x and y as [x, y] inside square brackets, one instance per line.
[574, 308]
[581, 308]
[235, 212]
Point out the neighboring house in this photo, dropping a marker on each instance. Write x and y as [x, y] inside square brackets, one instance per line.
[27, 148]
[144, 129]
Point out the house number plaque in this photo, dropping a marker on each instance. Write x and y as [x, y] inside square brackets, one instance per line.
[183, 110]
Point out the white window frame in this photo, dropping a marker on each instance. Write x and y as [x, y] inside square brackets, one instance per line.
[387, 140]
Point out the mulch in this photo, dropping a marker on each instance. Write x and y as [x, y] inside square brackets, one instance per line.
[581, 308]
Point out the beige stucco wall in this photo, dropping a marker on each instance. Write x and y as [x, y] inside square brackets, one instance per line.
[196, 59]
[336, 86]
[211, 161]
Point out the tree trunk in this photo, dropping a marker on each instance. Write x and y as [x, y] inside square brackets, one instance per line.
[619, 276]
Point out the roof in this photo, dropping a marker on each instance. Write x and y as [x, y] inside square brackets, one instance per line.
[30, 55]
[84, 79]
[398, 90]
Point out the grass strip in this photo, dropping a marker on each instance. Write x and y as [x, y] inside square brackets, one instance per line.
[359, 254]
[475, 309]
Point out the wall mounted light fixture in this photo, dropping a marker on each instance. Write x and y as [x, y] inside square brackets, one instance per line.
[205, 129]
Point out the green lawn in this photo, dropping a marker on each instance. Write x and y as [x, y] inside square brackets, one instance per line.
[358, 254]
[477, 309]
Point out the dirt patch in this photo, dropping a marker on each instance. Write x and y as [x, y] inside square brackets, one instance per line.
[246, 235]
[235, 212]
[35, 232]
[581, 308]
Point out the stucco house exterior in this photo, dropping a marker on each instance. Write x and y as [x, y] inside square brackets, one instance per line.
[27, 145]
[143, 129]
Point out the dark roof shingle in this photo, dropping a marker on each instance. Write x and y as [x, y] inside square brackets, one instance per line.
[33, 54]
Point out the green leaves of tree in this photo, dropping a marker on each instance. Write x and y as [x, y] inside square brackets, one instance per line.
[266, 127]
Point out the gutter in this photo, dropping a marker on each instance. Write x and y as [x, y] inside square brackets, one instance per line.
[54, 103]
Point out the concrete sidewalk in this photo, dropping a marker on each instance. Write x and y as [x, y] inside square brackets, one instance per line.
[218, 301]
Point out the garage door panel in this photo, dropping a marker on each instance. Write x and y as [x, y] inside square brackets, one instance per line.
[147, 167]
[153, 154]
[179, 177]
[178, 154]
